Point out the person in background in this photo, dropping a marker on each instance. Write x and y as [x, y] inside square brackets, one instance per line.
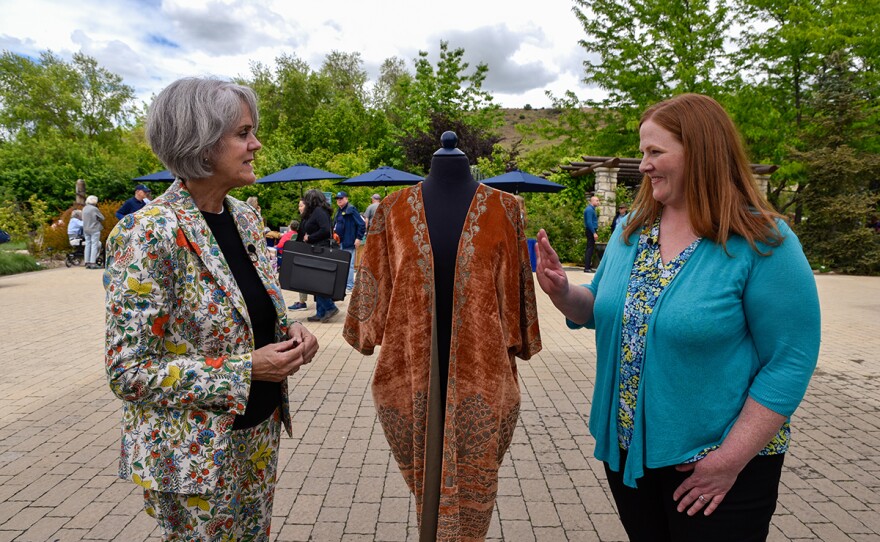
[591, 231]
[317, 230]
[371, 210]
[707, 332]
[350, 228]
[134, 203]
[254, 202]
[199, 347]
[289, 235]
[75, 226]
[93, 225]
[621, 212]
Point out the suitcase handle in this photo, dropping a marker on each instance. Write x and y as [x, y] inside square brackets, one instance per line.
[313, 263]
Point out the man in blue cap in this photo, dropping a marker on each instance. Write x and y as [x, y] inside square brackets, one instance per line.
[350, 228]
[135, 203]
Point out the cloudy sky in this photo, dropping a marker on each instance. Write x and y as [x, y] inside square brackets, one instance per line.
[529, 47]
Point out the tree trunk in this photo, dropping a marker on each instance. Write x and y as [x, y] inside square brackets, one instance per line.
[80, 193]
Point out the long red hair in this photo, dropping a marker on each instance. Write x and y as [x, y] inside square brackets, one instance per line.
[720, 191]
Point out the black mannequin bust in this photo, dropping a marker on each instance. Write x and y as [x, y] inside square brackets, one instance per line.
[447, 192]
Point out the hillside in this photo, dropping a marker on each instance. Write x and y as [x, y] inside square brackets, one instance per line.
[524, 117]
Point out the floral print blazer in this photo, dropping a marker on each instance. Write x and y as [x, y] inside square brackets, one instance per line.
[179, 341]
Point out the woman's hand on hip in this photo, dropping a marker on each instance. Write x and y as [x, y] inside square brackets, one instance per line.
[275, 362]
[714, 475]
[710, 480]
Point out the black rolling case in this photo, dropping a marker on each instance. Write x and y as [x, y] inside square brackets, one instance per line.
[316, 270]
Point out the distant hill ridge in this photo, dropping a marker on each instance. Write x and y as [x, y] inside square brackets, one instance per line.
[514, 117]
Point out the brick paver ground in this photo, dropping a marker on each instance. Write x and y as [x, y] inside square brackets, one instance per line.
[59, 433]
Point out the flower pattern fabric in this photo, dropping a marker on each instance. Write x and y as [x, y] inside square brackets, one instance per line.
[648, 280]
[179, 342]
[240, 507]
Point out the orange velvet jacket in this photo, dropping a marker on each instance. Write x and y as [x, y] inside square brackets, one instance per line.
[494, 318]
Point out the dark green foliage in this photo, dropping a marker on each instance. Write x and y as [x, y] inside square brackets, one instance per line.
[838, 196]
[419, 147]
[563, 220]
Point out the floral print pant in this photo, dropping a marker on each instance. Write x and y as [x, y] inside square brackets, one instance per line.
[240, 507]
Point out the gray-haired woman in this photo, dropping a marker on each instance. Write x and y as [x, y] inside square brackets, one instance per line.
[198, 343]
[93, 225]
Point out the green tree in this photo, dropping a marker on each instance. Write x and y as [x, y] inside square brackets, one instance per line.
[771, 82]
[61, 121]
[838, 196]
[448, 91]
[643, 51]
[783, 45]
[50, 95]
[387, 90]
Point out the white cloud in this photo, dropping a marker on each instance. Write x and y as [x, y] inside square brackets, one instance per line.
[528, 47]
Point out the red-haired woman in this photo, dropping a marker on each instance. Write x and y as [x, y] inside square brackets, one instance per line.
[707, 331]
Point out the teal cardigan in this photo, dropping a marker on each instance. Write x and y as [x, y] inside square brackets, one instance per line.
[730, 326]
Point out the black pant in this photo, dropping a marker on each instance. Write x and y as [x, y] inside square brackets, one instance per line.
[648, 513]
[591, 247]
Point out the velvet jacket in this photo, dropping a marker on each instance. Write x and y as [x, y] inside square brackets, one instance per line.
[494, 318]
[731, 325]
[179, 341]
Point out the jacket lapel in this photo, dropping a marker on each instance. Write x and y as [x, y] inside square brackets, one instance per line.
[193, 231]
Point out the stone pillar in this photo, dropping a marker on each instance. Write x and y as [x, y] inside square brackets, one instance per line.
[763, 182]
[606, 189]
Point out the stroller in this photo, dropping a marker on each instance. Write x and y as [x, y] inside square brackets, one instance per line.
[78, 254]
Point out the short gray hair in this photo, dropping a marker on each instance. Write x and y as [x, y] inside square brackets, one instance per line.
[189, 117]
[92, 200]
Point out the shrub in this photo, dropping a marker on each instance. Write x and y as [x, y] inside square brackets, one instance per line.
[562, 220]
[55, 240]
[13, 262]
[25, 221]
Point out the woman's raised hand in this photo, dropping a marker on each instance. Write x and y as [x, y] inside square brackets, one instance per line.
[549, 272]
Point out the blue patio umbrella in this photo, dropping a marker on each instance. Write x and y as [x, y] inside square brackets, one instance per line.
[164, 176]
[300, 173]
[517, 181]
[383, 176]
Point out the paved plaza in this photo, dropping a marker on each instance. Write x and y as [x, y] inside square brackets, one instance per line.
[59, 433]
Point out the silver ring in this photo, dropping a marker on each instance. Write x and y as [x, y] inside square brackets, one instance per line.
[702, 499]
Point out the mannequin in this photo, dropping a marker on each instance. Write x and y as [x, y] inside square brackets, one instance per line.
[447, 191]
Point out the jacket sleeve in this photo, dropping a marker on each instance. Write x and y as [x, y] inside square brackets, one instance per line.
[147, 360]
[361, 225]
[122, 211]
[525, 312]
[368, 309]
[781, 306]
